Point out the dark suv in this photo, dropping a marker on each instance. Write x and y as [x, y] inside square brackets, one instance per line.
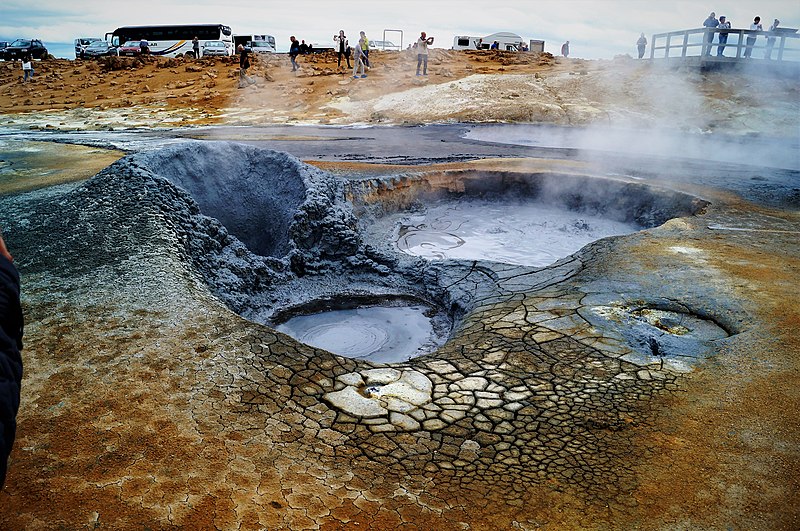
[24, 47]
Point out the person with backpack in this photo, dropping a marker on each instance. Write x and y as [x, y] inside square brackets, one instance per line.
[244, 64]
[294, 51]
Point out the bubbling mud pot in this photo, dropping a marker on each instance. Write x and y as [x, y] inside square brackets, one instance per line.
[530, 219]
[377, 329]
[510, 232]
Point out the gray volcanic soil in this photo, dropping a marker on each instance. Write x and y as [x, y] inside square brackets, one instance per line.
[547, 386]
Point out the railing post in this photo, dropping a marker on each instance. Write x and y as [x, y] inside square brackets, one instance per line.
[739, 46]
[685, 43]
[652, 45]
[704, 38]
[666, 48]
[780, 48]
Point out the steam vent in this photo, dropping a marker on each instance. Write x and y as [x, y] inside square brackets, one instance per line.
[220, 336]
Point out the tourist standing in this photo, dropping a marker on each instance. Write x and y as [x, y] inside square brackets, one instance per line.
[196, 47]
[27, 69]
[363, 43]
[244, 64]
[11, 324]
[294, 51]
[724, 24]
[358, 63]
[422, 52]
[343, 48]
[710, 24]
[771, 39]
[144, 47]
[641, 44]
[751, 38]
[565, 49]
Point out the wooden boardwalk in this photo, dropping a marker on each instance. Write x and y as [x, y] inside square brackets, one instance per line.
[774, 50]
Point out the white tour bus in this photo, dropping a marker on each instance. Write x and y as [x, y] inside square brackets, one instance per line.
[175, 40]
[256, 43]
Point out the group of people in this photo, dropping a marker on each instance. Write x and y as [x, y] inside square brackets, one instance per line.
[360, 53]
[713, 25]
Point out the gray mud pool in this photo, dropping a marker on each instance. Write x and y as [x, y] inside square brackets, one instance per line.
[383, 334]
[512, 232]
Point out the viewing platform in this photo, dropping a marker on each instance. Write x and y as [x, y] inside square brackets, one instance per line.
[775, 51]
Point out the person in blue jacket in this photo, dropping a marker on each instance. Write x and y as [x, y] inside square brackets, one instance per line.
[710, 24]
[294, 51]
[10, 358]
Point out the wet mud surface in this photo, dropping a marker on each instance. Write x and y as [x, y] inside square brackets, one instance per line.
[644, 381]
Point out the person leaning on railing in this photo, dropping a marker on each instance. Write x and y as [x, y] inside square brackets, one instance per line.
[10, 358]
[771, 39]
[710, 24]
[751, 37]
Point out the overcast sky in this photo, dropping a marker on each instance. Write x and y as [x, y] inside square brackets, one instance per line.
[595, 28]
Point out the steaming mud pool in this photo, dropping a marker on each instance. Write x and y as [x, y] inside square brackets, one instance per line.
[518, 233]
[383, 334]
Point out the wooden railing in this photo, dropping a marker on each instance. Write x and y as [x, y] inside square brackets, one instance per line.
[704, 43]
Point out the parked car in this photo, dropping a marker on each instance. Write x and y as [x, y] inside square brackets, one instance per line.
[23, 47]
[82, 43]
[383, 45]
[261, 46]
[130, 48]
[216, 48]
[99, 49]
[3, 46]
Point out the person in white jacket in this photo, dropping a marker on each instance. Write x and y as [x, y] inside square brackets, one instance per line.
[27, 68]
[343, 48]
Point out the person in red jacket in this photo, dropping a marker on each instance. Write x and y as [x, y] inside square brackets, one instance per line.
[10, 358]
